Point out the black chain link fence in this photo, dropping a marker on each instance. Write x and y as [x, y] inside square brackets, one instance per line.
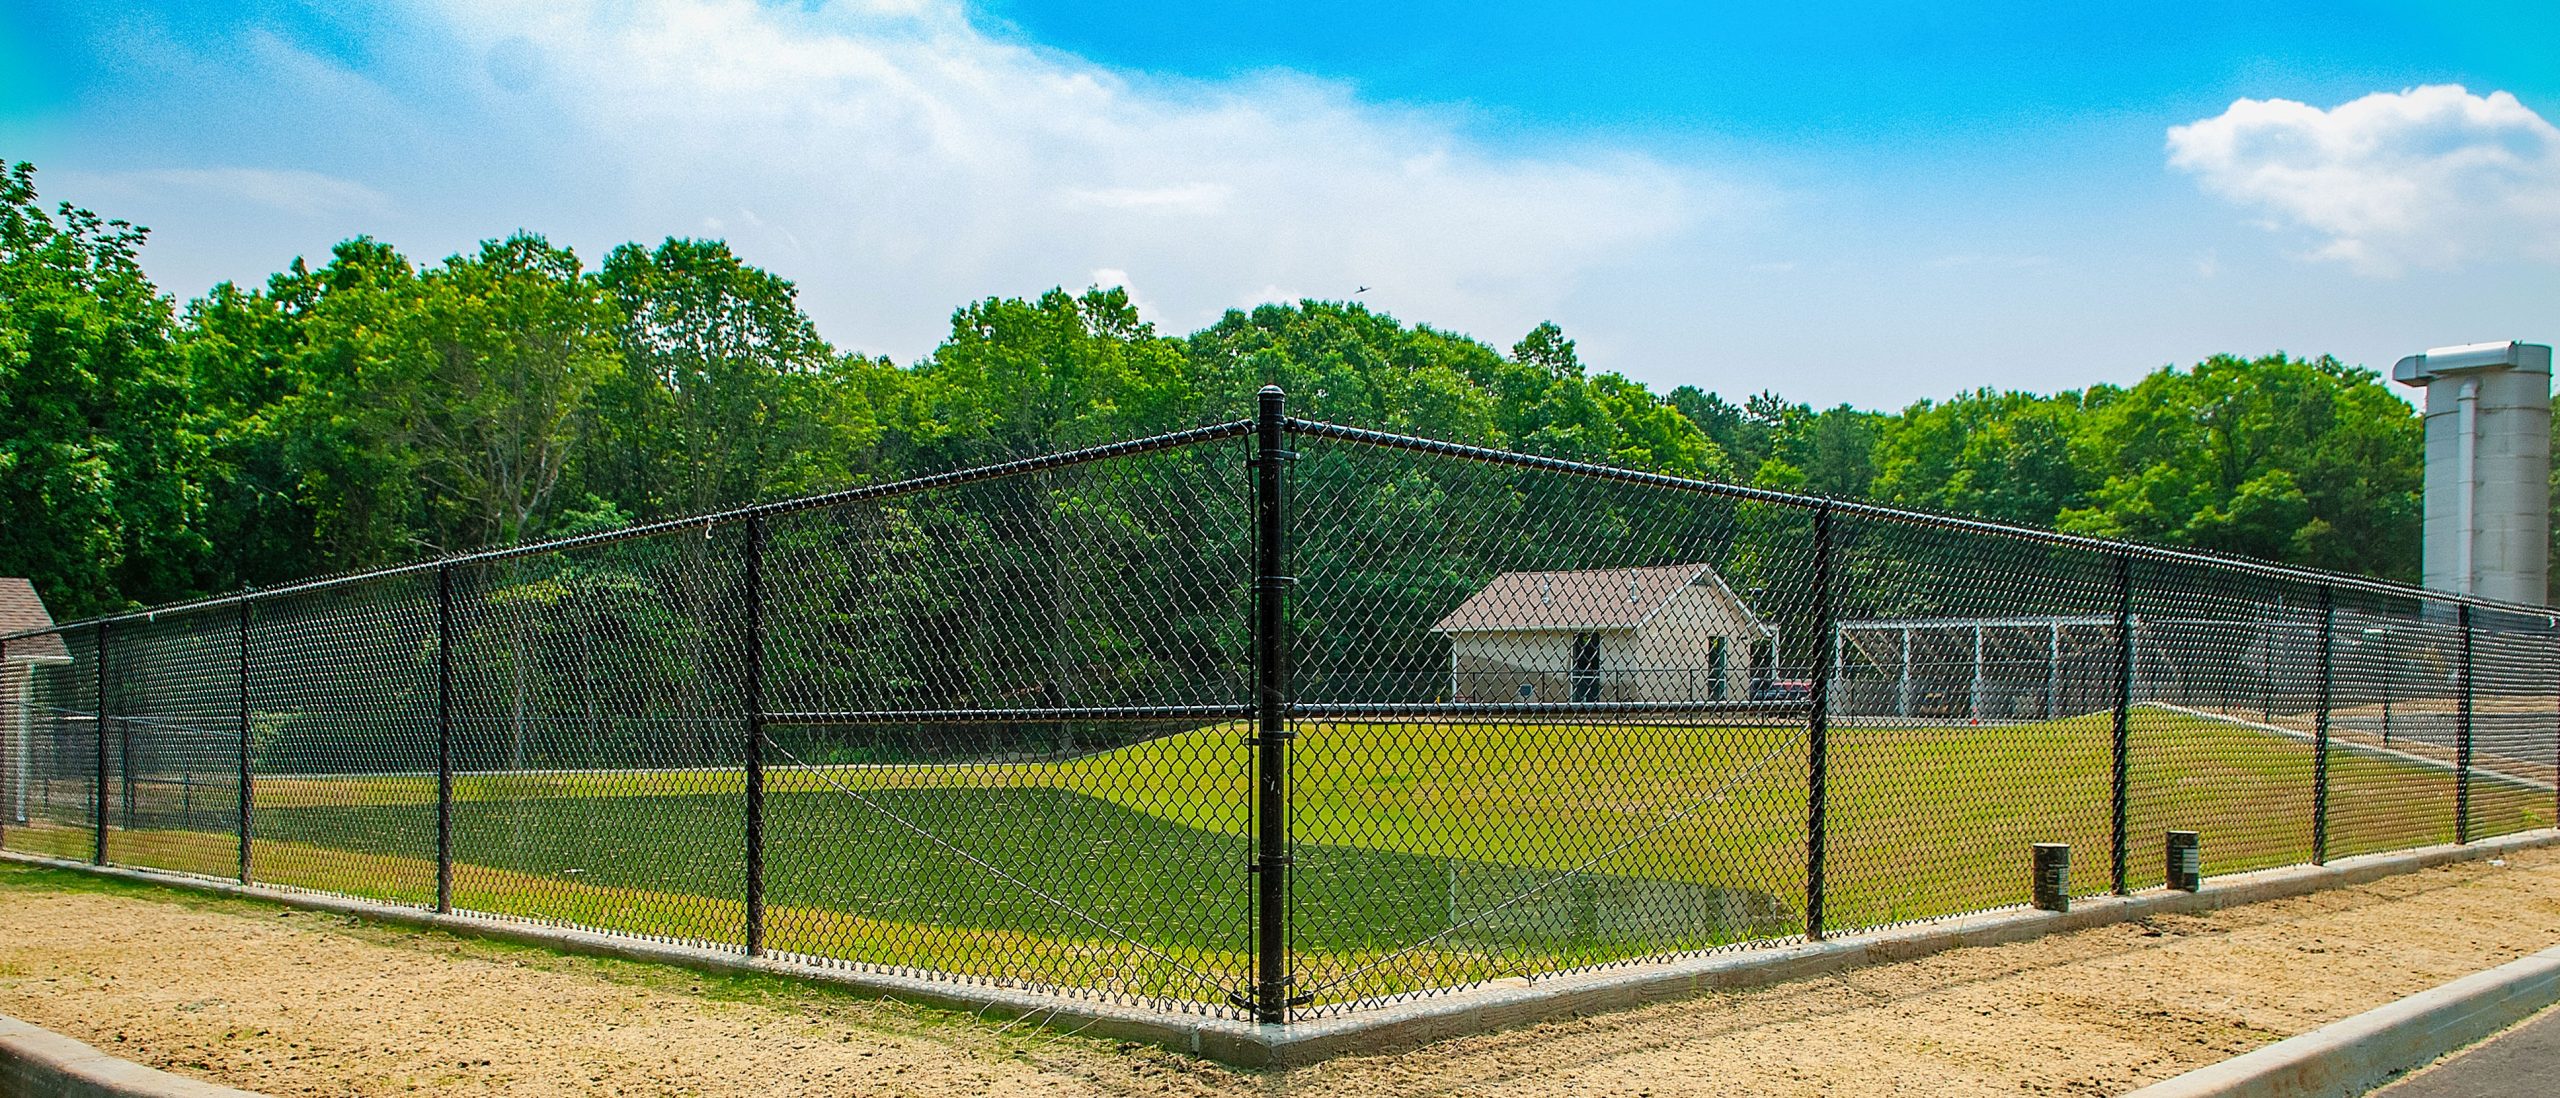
[1275, 719]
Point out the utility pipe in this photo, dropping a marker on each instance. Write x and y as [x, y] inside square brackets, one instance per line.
[2467, 450]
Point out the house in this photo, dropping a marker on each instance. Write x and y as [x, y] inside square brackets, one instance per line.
[21, 610]
[1664, 634]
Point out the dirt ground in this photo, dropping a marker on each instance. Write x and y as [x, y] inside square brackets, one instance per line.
[299, 1003]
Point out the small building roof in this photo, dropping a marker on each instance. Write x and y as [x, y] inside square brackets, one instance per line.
[21, 609]
[1593, 599]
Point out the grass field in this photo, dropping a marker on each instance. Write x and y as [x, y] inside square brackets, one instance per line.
[1430, 854]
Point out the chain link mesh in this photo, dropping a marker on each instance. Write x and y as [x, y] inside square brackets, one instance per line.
[1973, 717]
[52, 683]
[173, 704]
[997, 726]
[1550, 722]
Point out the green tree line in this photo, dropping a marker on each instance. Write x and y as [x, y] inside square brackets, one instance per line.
[372, 408]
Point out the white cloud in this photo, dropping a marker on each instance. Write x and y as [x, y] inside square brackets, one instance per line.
[919, 159]
[2431, 177]
[293, 192]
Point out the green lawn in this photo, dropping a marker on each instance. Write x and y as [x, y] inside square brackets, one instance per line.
[1429, 854]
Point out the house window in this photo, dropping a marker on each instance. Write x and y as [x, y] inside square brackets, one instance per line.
[1586, 667]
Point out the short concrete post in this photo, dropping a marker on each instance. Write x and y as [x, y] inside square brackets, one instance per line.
[2053, 876]
[2186, 861]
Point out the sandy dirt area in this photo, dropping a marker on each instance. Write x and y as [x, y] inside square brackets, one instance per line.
[299, 1003]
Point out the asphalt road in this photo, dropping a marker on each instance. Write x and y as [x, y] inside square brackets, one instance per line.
[2523, 1062]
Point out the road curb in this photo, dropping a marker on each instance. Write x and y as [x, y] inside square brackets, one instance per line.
[2350, 1057]
[38, 1063]
[1372, 1028]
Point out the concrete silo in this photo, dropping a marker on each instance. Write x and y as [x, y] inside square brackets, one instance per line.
[2488, 509]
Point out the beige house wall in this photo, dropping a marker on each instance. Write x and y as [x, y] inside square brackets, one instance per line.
[1666, 659]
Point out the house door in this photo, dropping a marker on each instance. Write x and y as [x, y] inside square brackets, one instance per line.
[1717, 669]
[1586, 667]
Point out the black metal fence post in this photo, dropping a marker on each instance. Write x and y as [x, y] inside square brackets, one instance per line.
[2320, 731]
[2462, 752]
[125, 786]
[100, 856]
[248, 781]
[1818, 730]
[754, 761]
[2121, 793]
[1271, 709]
[444, 739]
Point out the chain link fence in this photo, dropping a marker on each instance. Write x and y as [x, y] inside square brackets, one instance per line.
[1275, 720]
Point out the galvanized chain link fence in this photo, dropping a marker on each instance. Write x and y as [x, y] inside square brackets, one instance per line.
[1274, 720]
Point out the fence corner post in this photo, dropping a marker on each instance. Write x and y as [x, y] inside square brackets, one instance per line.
[2320, 729]
[2120, 792]
[753, 644]
[1271, 709]
[1817, 807]
[2462, 760]
[444, 739]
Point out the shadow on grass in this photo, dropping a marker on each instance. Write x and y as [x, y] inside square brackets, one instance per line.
[1032, 860]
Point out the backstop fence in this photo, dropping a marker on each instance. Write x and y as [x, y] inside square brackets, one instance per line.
[1274, 720]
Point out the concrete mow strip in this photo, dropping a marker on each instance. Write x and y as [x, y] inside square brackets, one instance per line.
[2350, 1057]
[39, 1063]
[1369, 1029]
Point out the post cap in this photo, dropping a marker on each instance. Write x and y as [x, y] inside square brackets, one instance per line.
[2419, 369]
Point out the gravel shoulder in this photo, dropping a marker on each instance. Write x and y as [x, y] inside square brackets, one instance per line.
[300, 1003]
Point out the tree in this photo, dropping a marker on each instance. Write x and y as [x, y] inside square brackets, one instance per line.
[725, 395]
[1342, 362]
[367, 411]
[298, 390]
[1018, 378]
[499, 364]
[2309, 461]
[2005, 456]
[96, 453]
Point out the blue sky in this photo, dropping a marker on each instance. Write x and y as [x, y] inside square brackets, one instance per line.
[1859, 203]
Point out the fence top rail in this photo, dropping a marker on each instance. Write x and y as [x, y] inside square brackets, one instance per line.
[2026, 621]
[2111, 547]
[910, 486]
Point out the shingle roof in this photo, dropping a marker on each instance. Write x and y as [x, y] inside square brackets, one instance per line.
[20, 610]
[1597, 598]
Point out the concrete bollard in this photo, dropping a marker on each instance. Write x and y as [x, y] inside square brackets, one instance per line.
[2186, 861]
[2053, 876]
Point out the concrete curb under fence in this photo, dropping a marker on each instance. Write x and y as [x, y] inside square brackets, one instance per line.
[1476, 1010]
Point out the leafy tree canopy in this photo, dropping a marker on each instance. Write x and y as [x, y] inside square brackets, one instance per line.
[373, 408]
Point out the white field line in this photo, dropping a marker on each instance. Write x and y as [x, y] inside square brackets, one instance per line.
[658, 771]
[2365, 748]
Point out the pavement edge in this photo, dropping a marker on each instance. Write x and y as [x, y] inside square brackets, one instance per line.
[2354, 1055]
